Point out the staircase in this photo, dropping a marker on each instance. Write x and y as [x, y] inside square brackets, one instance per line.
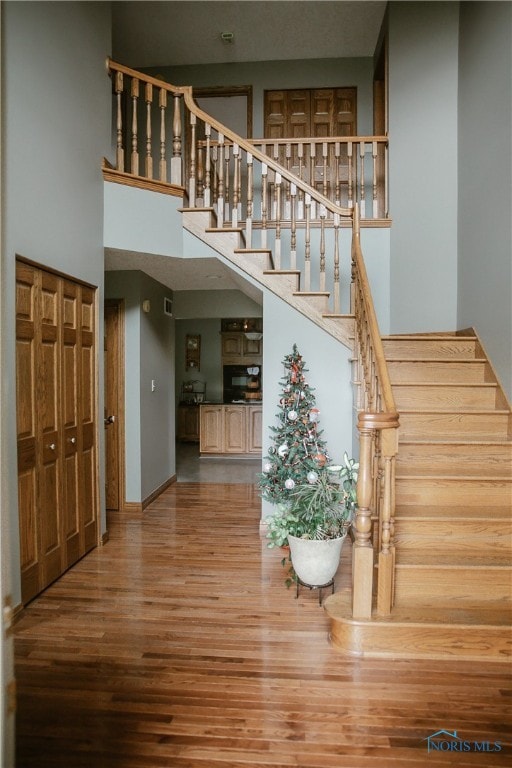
[453, 510]
[433, 529]
[259, 264]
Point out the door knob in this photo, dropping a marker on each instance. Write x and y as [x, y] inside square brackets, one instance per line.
[72, 440]
[109, 420]
[52, 446]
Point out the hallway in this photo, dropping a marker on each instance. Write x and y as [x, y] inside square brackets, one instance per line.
[177, 645]
[192, 469]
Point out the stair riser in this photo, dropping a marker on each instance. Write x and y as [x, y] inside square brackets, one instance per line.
[454, 425]
[444, 583]
[453, 536]
[453, 372]
[465, 459]
[459, 491]
[430, 348]
[454, 397]
[285, 283]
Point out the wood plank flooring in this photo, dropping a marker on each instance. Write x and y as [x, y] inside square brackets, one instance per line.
[177, 646]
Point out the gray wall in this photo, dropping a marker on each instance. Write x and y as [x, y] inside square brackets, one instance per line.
[149, 356]
[265, 75]
[210, 370]
[56, 128]
[485, 179]
[423, 41]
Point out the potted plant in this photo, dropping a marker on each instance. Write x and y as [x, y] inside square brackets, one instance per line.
[315, 520]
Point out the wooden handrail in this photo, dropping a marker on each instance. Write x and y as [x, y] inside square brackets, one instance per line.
[357, 256]
[378, 423]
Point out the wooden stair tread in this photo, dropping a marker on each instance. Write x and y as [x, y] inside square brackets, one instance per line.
[438, 441]
[448, 360]
[225, 229]
[450, 512]
[461, 612]
[428, 337]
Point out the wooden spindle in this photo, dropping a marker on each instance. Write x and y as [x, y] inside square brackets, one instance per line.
[176, 161]
[323, 214]
[307, 244]
[236, 189]
[325, 171]
[375, 207]
[207, 166]
[162, 103]
[149, 157]
[119, 121]
[362, 200]
[287, 196]
[135, 151]
[200, 177]
[264, 203]
[300, 207]
[337, 178]
[293, 227]
[227, 158]
[220, 181]
[192, 162]
[214, 176]
[336, 276]
[277, 246]
[350, 191]
[250, 198]
[312, 161]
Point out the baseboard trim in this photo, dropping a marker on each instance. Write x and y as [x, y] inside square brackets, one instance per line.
[156, 493]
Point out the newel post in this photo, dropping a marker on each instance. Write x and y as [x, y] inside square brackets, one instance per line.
[362, 551]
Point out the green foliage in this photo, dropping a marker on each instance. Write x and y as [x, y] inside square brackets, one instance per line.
[298, 448]
[321, 508]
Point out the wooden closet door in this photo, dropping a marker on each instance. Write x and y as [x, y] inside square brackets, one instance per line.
[88, 469]
[56, 406]
[70, 407]
[49, 437]
[26, 378]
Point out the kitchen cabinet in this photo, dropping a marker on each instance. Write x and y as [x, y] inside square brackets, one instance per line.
[211, 429]
[230, 429]
[188, 423]
[238, 349]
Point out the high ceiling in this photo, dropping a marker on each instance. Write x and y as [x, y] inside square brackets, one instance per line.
[154, 34]
[168, 33]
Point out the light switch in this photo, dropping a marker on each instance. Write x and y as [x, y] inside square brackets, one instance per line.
[153, 385]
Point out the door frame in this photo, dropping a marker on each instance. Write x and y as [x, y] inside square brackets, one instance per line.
[120, 375]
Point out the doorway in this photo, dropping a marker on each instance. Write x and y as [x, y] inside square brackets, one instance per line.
[114, 404]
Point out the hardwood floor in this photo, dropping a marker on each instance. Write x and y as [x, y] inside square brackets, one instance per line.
[177, 646]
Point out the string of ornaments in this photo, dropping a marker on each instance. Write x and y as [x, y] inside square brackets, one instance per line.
[297, 450]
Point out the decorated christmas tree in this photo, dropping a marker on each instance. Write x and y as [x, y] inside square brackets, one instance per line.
[297, 450]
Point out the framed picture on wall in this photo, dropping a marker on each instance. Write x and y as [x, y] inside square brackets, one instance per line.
[192, 352]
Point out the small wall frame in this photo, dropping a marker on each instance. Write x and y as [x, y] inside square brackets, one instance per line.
[192, 352]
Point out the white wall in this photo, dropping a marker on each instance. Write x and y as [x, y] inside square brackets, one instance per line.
[423, 69]
[56, 115]
[485, 179]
